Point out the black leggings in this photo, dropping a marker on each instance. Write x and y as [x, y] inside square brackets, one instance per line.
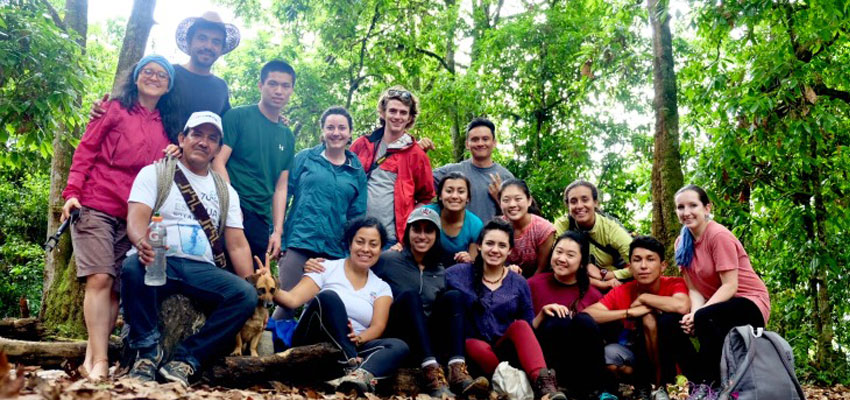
[674, 347]
[574, 348]
[712, 323]
[441, 333]
[325, 320]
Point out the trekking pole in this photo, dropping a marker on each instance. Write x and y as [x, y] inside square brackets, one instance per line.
[54, 239]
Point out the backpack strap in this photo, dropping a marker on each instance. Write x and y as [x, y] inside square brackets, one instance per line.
[221, 190]
[164, 177]
[732, 383]
[773, 338]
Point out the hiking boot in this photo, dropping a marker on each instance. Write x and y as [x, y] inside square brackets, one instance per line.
[643, 393]
[177, 371]
[435, 381]
[462, 383]
[359, 380]
[703, 392]
[660, 394]
[546, 386]
[144, 369]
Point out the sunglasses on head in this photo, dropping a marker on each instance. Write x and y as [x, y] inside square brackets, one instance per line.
[401, 94]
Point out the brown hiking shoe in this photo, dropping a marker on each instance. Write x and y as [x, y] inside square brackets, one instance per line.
[462, 383]
[435, 381]
[546, 386]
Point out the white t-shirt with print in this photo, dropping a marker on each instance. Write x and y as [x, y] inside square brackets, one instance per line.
[358, 303]
[186, 237]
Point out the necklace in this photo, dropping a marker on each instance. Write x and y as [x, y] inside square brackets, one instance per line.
[504, 272]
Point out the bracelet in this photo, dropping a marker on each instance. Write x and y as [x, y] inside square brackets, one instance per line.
[627, 313]
[139, 243]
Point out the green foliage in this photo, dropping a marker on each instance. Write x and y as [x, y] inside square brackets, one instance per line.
[769, 123]
[23, 199]
[42, 71]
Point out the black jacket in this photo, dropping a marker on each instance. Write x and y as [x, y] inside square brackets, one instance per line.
[400, 271]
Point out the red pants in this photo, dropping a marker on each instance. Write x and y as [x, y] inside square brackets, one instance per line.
[520, 338]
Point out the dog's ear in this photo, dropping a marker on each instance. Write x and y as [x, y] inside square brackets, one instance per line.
[276, 282]
[253, 278]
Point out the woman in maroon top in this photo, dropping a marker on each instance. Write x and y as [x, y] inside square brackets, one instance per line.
[130, 135]
[571, 340]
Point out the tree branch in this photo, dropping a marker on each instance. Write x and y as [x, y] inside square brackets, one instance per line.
[54, 15]
[822, 90]
[437, 57]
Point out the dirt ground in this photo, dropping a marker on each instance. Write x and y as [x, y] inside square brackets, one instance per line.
[34, 383]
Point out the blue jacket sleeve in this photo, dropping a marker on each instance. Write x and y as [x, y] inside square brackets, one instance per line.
[358, 206]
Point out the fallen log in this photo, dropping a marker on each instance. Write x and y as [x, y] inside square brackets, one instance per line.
[303, 365]
[22, 328]
[49, 354]
[314, 363]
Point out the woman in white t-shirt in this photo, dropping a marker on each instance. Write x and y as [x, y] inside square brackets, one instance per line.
[350, 308]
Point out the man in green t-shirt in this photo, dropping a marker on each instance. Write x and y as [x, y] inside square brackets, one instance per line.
[257, 156]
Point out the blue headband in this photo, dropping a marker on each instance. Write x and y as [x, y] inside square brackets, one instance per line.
[159, 60]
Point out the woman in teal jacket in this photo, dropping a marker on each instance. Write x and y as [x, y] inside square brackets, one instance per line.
[328, 187]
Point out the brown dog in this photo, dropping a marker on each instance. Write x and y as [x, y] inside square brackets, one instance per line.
[252, 331]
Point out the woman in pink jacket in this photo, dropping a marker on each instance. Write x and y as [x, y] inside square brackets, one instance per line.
[131, 134]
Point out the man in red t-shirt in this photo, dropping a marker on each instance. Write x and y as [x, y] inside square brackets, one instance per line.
[650, 307]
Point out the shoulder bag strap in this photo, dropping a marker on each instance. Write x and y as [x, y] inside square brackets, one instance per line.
[197, 208]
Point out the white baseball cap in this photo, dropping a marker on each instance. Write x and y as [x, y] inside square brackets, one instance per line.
[204, 117]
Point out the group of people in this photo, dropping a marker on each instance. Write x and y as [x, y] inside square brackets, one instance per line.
[386, 273]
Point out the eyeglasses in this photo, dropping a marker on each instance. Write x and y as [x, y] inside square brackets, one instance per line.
[404, 95]
[150, 73]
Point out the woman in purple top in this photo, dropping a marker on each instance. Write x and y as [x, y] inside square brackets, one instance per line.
[570, 339]
[500, 310]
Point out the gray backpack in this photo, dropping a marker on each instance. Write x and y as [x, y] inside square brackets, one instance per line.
[757, 365]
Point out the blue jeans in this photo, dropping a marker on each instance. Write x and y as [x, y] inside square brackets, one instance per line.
[231, 298]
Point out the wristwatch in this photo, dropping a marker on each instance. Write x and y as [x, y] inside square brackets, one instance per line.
[603, 272]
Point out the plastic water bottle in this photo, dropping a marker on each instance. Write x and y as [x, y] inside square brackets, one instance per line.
[155, 273]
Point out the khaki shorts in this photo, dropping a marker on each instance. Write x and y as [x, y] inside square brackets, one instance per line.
[100, 244]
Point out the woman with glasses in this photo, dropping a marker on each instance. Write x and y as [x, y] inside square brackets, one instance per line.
[130, 135]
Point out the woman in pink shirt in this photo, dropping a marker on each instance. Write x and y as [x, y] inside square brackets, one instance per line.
[533, 234]
[724, 289]
[130, 135]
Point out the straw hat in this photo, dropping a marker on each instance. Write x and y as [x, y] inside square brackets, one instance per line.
[231, 32]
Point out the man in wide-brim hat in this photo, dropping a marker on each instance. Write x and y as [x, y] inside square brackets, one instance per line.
[204, 39]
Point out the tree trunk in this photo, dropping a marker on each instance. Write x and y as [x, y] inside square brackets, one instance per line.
[825, 356]
[61, 307]
[458, 138]
[666, 165]
[135, 38]
[62, 299]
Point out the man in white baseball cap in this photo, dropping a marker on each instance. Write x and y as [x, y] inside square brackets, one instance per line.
[202, 218]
